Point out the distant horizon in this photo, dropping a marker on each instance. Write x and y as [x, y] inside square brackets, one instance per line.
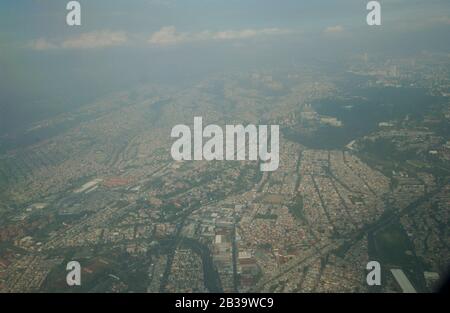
[49, 65]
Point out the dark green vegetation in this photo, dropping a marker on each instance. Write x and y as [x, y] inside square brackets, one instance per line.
[361, 114]
[267, 216]
[393, 249]
[296, 208]
[210, 274]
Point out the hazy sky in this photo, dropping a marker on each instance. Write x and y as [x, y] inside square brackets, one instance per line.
[47, 66]
[24, 20]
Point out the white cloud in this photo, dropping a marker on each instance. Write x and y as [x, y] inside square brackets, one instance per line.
[442, 20]
[169, 35]
[334, 29]
[91, 40]
[94, 40]
[41, 44]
